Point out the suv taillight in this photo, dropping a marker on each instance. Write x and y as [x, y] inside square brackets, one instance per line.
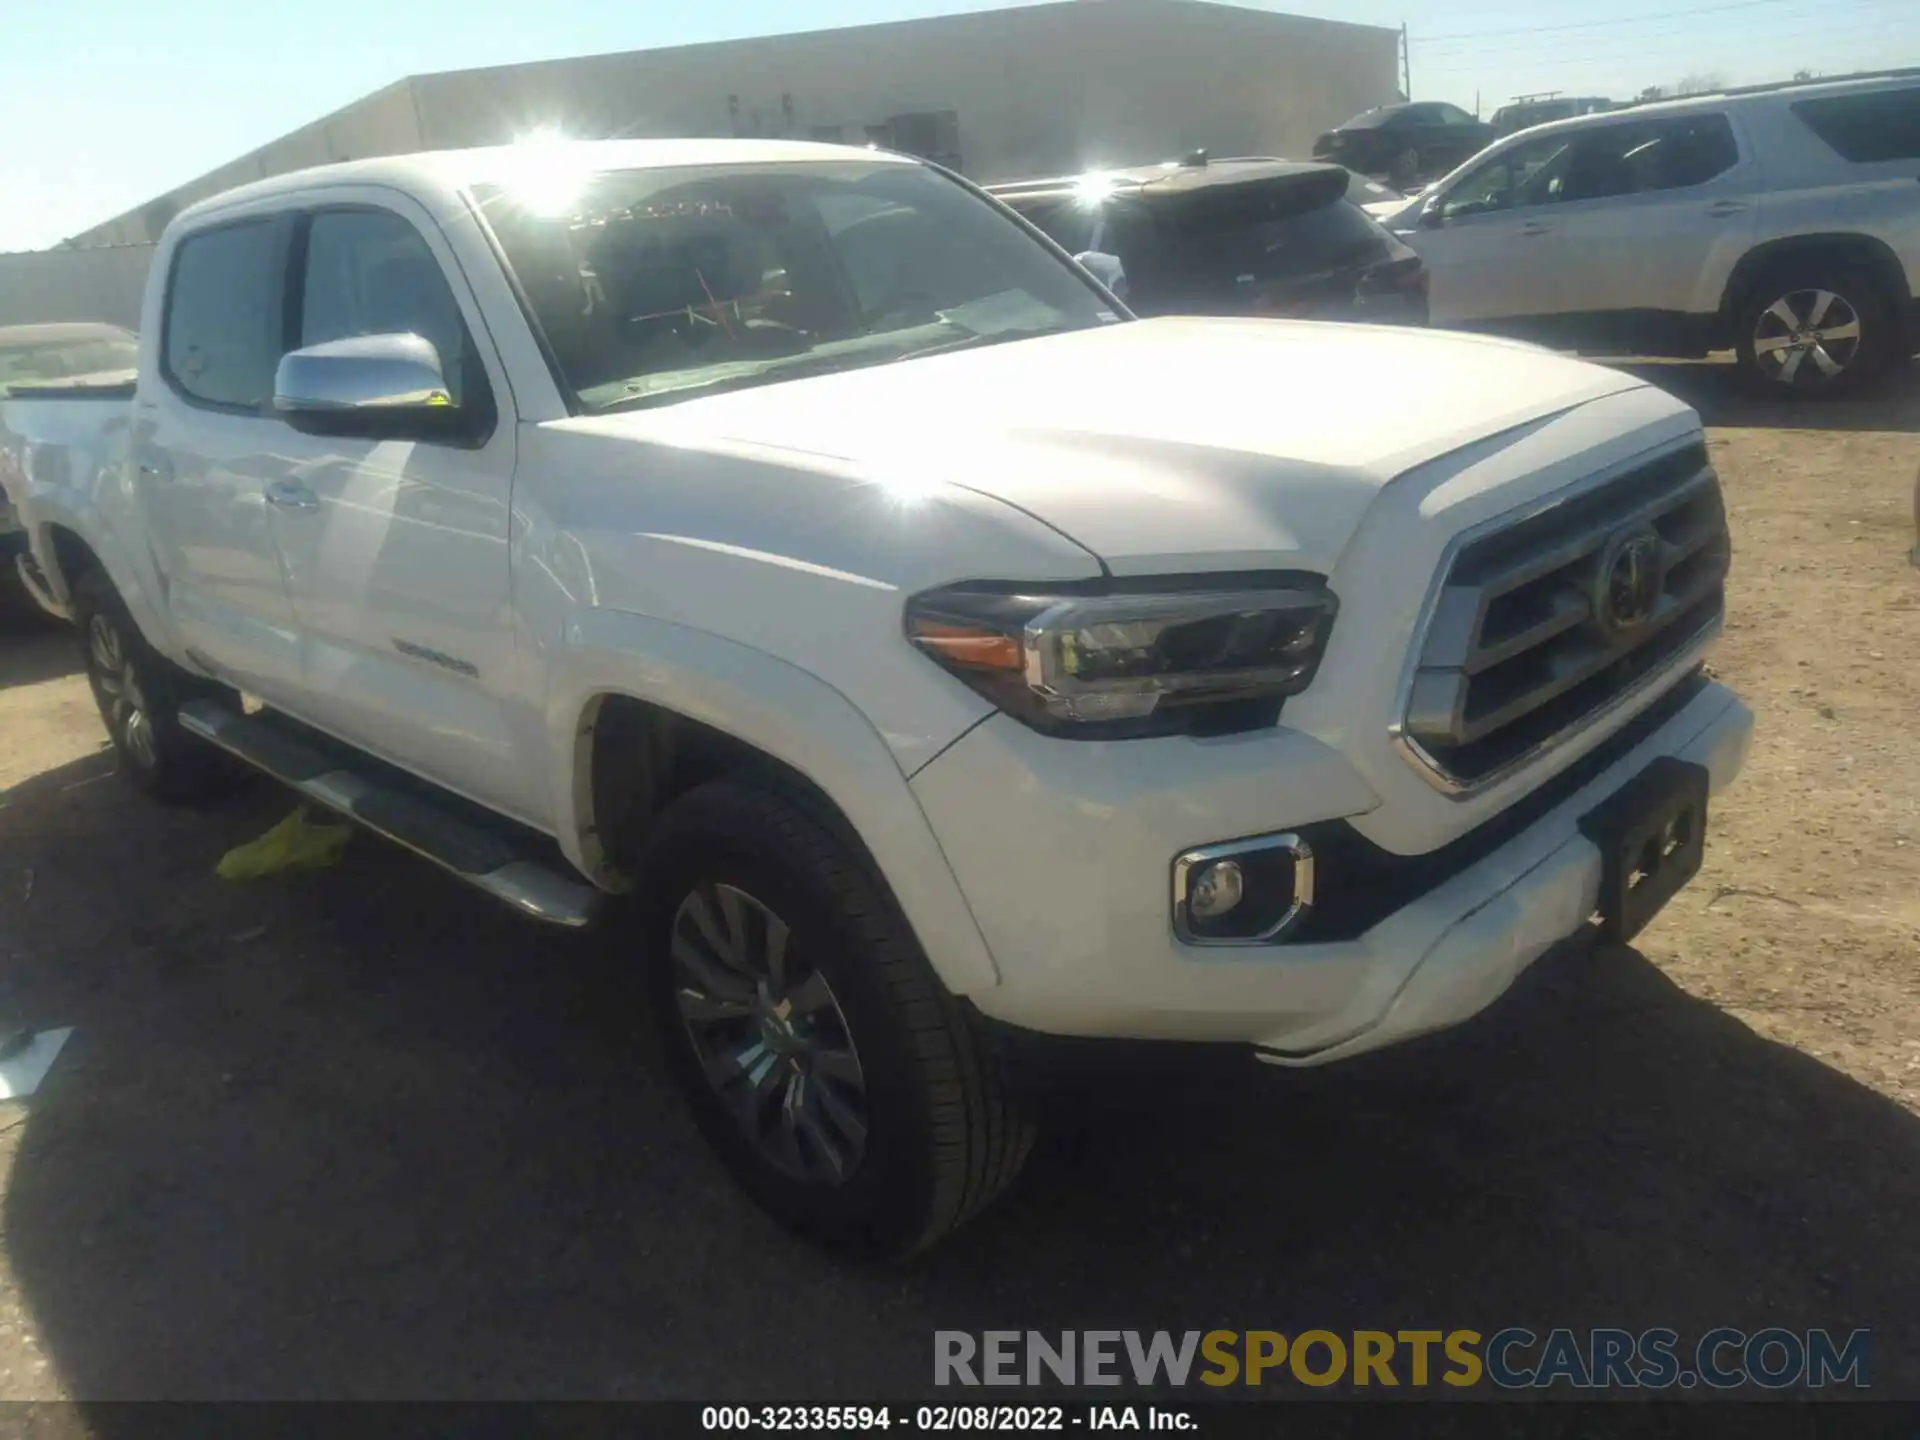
[1397, 277]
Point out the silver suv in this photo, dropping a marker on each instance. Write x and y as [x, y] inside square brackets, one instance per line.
[1782, 222]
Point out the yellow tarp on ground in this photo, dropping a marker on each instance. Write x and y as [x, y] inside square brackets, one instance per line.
[296, 843]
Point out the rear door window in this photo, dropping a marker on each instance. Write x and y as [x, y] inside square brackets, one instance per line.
[1631, 159]
[224, 330]
[1880, 126]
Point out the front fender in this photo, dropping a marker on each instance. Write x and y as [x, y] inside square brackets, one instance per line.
[785, 713]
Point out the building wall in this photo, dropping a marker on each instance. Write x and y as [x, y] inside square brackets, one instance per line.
[383, 123]
[1043, 89]
[45, 285]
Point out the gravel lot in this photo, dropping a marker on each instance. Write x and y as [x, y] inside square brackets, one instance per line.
[360, 1134]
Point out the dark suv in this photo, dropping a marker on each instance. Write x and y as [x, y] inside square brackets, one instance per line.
[1229, 237]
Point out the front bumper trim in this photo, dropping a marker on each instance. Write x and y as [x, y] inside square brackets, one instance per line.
[1474, 959]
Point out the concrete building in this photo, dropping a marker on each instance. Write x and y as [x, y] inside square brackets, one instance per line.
[997, 94]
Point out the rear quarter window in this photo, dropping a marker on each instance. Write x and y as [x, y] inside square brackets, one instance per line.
[1329, 237]
[1882, 125]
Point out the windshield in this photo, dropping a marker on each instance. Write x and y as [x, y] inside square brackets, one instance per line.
[658, 285]
[50, 361]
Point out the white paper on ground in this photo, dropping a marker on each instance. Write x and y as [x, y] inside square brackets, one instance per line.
[21, 1075]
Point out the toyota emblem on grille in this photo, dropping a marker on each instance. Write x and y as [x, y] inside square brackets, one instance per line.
[1631, 578]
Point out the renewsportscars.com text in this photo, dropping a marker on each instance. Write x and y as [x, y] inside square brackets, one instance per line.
[1513, 1358]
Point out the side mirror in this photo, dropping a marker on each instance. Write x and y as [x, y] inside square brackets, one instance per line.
[1105, 268]
[345, 384]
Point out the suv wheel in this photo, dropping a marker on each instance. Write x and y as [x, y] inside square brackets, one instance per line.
[139, 692]
[1817, 330]
[850, 1095]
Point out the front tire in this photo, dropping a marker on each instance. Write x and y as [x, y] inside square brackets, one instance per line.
[139, 693]
[849, 1094]
[1815, 330]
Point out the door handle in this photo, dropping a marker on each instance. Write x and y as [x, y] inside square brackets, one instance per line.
[1726, 207]
[291, 495]
[1536, 227]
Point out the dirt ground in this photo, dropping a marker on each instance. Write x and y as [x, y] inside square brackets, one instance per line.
[359, 1134]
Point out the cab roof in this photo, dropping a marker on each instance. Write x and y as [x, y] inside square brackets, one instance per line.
[499, 164]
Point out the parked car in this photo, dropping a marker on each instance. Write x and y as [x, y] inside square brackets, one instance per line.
[1532, 110]
[1782, 222]
[1229, 237]
[1405, 143]
[779, 554]
[73, 353]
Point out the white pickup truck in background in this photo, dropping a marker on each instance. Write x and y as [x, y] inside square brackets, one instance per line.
[72, 354]
[787, 551]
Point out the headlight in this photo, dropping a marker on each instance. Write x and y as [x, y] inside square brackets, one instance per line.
[1146, 658]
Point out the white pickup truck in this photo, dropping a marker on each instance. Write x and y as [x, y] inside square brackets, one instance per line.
[789, 552]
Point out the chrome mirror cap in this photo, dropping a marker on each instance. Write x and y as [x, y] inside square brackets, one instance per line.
[362, 372]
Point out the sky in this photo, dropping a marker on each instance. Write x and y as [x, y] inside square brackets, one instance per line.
[105, 104]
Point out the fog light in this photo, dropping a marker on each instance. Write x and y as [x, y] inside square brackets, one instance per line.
[1216, 889]
[1242, 892]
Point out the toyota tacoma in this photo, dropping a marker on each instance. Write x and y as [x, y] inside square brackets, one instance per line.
[787, 559]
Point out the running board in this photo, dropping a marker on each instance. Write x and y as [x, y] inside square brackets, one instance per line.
[402, 810]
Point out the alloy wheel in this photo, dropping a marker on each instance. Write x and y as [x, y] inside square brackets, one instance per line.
[116, 686]
[769, 1035]
[1806, 337]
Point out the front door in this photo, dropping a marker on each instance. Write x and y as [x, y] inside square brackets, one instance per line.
[1491, 239]
[205, 446]
[396, 548]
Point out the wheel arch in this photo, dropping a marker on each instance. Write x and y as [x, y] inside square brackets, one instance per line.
[65, 553]
[641, 710]
[68, 557]
[1843, 247]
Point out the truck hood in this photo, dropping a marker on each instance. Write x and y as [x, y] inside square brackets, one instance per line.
[1158, 445]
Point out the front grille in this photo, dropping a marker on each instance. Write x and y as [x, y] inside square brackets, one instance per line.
[1542, 623]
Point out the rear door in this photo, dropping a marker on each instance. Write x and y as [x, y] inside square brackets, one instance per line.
[205, 446]
[396, 547]
[1649, 211]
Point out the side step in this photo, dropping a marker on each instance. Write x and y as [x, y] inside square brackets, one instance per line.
[481, 849]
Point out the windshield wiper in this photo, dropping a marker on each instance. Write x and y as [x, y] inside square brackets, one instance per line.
[996, 337]
[829, 363]
[796, 368]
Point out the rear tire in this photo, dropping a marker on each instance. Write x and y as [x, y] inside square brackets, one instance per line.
[139, 692]
[1815, 329]
[849, 1094]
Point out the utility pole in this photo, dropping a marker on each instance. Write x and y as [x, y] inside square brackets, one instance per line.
[1406, 63]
